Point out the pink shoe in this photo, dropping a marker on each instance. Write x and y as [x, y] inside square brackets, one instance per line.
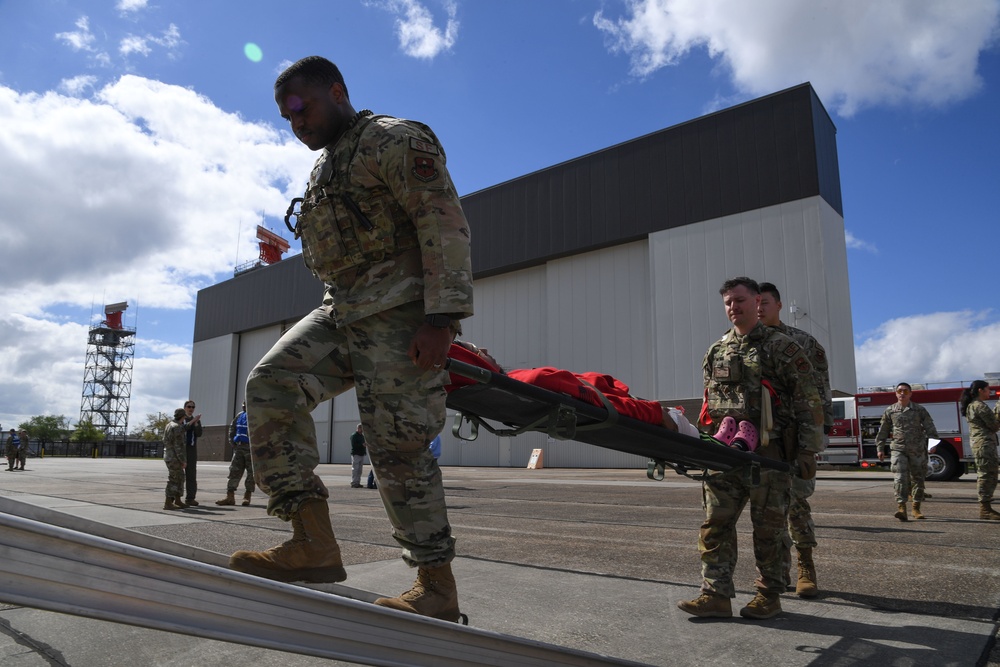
[727, 431]
[746, 437]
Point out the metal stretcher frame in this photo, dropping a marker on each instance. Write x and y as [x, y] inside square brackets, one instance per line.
[522, 407]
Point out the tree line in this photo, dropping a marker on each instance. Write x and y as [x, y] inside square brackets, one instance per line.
[57, 428]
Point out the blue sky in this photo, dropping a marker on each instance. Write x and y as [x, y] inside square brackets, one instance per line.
[139, 146]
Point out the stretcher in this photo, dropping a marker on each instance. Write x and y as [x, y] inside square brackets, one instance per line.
[507, 407]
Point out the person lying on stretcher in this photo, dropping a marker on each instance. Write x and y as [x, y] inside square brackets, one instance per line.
[585, 387]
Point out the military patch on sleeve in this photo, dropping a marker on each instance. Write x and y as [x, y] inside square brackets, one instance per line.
[802, 365]
[423, 146]
[791, 349]
[721, 373]
[424, 169]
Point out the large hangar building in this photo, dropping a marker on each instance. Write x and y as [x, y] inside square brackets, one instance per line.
[611, 262]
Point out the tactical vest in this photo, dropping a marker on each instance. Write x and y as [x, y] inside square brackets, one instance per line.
[734, 385]
[242, 432]
[344, 222]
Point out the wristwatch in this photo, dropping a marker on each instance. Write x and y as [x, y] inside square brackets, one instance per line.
[438, 320]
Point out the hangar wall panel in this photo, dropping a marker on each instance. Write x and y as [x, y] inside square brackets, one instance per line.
[213, 376]
[799, 246]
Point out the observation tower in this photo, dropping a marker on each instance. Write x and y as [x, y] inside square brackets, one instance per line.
[107, 375]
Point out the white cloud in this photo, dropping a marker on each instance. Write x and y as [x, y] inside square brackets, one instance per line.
[78, 85]
[855, 243]
[418, 36]
[132, 44]
[939, 347]
[138, 193]
[126, 6]
[170, 39]
[81, 39]
[856, 53]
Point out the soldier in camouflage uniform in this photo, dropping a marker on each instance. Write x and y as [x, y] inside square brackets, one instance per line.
[175, 456]
[22, 452]
[801, 529]
[382, 226]
[983, 427]
[13, 444]
[757, 374]
[239, 435]
[908, 425]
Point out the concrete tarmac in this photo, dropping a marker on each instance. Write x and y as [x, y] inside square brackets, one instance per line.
[589, 559]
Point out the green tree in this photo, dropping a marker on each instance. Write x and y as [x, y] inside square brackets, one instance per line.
[46, 428]
[87, 432]
[152, 429]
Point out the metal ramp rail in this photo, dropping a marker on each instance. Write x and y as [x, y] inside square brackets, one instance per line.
[61, 563]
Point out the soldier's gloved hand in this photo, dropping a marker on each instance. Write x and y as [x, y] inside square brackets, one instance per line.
[807, 465]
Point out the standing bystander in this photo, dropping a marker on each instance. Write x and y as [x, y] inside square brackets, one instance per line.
[382, 226]
[239, 435]
[754, 373]
[801, 529]
[22, 452]
[13, 444]
[905, 428]
[192, 431]
[358, 451]
[175, 456]
[983, 427]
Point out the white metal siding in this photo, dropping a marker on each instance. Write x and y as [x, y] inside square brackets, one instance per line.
[213, 370]
[799, 246]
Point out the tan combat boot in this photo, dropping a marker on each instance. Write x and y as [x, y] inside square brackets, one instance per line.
[169, 503]
[312, 554]
[806, 587]
[433, 594]
[987, 512]
[180, 503]
[246, 499]
[763, 606]
[916, 511]
[708, 605]
[230, 499]
[901, 512]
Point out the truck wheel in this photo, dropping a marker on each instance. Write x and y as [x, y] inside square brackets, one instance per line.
[942, 465]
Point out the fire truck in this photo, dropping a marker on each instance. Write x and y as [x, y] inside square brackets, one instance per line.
[857, 419]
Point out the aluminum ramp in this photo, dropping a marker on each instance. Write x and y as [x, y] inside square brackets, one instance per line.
[56, 568]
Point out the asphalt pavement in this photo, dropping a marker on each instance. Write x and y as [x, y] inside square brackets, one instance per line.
[593, 560]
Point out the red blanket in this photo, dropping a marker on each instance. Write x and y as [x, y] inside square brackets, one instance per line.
[568, 383]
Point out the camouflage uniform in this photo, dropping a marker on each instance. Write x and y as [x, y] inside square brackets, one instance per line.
[382, 226]
[192, 431]
[909, 429]
[801, 529]
[983, 427]
[175, 456]
[13, 444]
[241, 463]
[22, 450]
[733, 370]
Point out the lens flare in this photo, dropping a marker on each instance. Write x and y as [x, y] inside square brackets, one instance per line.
[253, 52]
